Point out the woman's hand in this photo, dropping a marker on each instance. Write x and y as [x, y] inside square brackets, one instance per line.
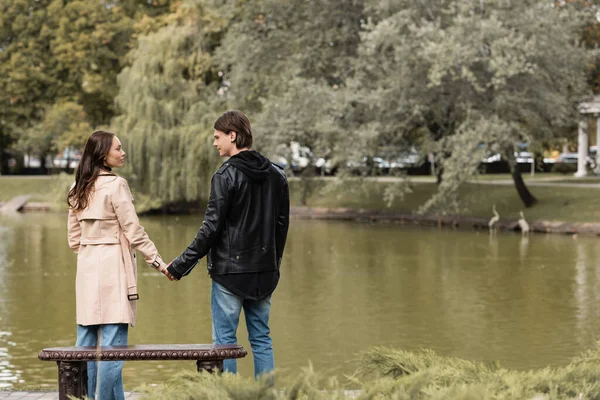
[165, 271]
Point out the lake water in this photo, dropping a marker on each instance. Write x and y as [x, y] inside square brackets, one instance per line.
[345, 287]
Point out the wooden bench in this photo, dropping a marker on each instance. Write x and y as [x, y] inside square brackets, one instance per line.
[72, 361]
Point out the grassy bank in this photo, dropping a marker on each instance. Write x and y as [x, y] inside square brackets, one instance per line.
[556, 203]
[40, 188]
[395, 374]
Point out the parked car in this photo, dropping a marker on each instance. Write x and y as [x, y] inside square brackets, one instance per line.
[68, 158]
[405, 159]
[522, 157]
[368, 166]
[294, 156]
[490, 158]
[569, 158]
[325, 166]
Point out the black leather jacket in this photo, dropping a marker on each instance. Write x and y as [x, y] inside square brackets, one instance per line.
[246, 221]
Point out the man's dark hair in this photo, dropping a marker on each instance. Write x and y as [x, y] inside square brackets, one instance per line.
[236, 121]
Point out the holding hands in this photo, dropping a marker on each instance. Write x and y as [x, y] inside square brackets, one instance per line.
[166, 273]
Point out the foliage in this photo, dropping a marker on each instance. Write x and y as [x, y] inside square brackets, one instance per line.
[192, 386]
[426, 375]
[566, 204]
[591, 38]
[26, 84]
[61, 184]
[63, 125]
[307, 113]
[564, 168]
[396, 374]
[93, 39]
[167, 99]
[90, 40]
[348, 78]
[461, 78]
[55, 51]
[292, 81]
[279, 41]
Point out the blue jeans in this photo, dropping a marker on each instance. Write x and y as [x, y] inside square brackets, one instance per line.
[226, 308]
[105, 381]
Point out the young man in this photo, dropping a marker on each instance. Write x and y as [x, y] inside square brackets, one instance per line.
[244, 232]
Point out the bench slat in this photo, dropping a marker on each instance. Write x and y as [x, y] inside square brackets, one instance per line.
[199, 352]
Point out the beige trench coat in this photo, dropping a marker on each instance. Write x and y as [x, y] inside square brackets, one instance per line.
[104, 236]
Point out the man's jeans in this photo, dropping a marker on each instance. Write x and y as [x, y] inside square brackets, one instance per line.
[107, 374]
[226, 308]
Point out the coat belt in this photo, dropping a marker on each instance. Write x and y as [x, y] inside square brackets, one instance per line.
[129, 268]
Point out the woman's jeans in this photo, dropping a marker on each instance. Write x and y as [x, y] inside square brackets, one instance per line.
[226, 308]
[105, 381]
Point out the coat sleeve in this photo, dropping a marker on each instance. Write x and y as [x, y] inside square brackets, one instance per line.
[283, 222]
[73, 231]
[218, 206]
[122, 202]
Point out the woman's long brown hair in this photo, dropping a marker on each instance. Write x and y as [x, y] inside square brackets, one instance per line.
[92, 163]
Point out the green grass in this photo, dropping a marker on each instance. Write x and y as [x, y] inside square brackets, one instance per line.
[526, 176]
[556, 203]
[537, 177]
[584, 181]
[40, 188]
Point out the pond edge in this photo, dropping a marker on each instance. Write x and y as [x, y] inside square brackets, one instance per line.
[384, 216]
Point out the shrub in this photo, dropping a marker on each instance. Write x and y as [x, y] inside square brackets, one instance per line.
[395, 374]
[564, 168]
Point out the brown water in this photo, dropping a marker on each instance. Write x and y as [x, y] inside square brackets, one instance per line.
[345, 287]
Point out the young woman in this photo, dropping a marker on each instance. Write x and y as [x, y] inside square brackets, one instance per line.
[103, 229]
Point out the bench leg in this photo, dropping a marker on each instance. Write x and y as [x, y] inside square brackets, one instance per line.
[211, 366]
[72, 379]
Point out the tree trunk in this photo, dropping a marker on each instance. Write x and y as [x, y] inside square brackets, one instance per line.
[440, 167]
[68, 163]
[439, 173]
[3, 162]
[43, 165]
[526, 197]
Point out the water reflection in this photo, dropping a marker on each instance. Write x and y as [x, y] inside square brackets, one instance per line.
[524, 301]
[9, 374]
[587, 289]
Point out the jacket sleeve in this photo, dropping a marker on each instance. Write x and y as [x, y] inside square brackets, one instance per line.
[73, 231]
[283, 222]
[122, 202]
[214, 221]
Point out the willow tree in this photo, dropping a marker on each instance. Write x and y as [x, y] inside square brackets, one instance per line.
[168, 101]
[462, 78]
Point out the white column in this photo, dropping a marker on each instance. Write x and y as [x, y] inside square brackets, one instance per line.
[582, 150]
[597, 144]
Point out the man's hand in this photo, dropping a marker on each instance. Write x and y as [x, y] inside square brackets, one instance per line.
[165, 271]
